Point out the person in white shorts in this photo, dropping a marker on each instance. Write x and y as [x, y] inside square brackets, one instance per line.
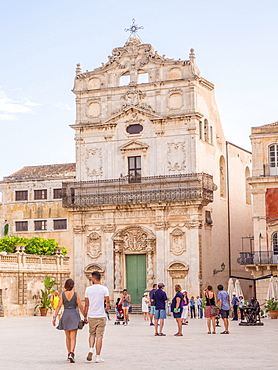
[95, 296]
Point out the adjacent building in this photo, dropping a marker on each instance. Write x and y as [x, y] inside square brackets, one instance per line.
[261, 258]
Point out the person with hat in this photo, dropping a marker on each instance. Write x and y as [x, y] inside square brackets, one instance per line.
[235, 302]
[160, 299]
[145, 306]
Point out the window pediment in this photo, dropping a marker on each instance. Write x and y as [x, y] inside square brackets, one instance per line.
[133, 145]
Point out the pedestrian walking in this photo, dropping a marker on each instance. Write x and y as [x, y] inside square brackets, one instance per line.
[54, 303]
[152, 302]
[125, 301]
[199, 305]
[192, 308]
[160, 299]
[224, 305]
[145, 306]
[176, 308]
[95, 295]
[70, 318]
[241, 307]
[235, 302]
[210, 302]
[185, 304]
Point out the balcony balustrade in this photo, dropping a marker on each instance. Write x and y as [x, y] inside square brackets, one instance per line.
[171, 188]
[258, 258]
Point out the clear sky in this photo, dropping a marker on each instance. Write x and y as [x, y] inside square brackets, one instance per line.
[42, 41]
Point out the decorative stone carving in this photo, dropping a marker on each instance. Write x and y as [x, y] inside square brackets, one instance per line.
[79, 229]
[175, 101]
[176, 156]
[117, 268]
[178, 270]
[134, 118]
[193, 224]
[94, 245]
[133, 97]
[94, 162]
[177, 242]
[93, 109]
[94, 83]
[150, 272]
[93, 267]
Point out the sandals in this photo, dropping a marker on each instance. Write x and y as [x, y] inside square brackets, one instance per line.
[156, 334]
[214, 332]
[178, 335]
[225, 332]
[209, 332]
[162, 334]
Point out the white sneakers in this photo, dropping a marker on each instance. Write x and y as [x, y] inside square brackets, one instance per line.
[98, 359]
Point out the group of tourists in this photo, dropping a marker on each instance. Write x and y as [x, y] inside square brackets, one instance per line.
[97, 304]
[179, 307]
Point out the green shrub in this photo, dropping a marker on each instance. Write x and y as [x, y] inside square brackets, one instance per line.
[35, 245]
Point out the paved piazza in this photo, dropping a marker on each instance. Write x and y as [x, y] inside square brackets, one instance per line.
[32, 343]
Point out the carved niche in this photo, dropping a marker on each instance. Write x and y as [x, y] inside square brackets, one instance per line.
[94, 162]
[177, 246]
[176, 156]
[93, 267]
[94, 245]
[178, 270]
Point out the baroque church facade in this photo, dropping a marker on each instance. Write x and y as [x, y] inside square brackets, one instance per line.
[157, 193]
[150, 199]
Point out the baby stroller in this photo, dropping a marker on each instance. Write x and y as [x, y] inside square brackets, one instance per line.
[119, 314]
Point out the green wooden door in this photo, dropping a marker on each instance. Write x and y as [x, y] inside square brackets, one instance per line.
[136, 276]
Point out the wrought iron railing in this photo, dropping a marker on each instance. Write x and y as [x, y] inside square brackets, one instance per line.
[193, 186]
[258, 258]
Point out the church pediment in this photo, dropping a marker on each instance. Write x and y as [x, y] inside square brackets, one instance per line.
[133, 145]
[135, 114]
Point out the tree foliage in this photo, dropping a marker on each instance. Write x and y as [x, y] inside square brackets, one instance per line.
[35, 245]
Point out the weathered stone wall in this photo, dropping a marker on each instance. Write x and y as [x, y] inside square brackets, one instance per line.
[22, 276]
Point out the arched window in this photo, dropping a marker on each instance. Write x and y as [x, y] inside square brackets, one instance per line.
[124, 80]
[143, 77]
[274, 242]
[247, 186]
[222, 170]
[273, 159]
[200, 130]
[206, 130]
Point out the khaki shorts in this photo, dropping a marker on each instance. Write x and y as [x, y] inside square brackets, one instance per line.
[97, 326]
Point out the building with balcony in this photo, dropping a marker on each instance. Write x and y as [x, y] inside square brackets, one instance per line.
[159, 194]
[261, 258]
[156, 194]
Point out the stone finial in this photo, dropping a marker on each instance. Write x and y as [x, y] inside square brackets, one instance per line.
[78, 69]
[192, 55]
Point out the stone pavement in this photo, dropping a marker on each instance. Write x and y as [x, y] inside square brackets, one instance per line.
[32, 343]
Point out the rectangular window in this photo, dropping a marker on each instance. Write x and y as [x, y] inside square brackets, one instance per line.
[21, 226]
[134, 169]
[40, 194]
[21, 195]
[211, 135]
[40, 225]
[57, 193]
[60, 224]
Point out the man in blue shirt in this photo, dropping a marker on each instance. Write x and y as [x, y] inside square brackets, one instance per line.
[235, 302]
[160, 299]
[224, 305]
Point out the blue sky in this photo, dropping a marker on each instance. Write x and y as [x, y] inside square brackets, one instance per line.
[41, 41]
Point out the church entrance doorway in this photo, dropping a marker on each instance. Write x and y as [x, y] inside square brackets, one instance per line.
[136, 276]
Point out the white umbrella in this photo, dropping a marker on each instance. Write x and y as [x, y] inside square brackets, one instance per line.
[271, 289]
[276, 287]
[231, 288]
[238, 289]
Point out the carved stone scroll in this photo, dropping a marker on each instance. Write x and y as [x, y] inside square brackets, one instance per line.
[177, 246]
[178, 270]
[94, 245]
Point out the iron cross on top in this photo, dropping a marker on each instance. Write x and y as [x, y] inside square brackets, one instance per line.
[133, 28]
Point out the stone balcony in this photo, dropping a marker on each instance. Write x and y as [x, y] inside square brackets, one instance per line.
[258, 258]
[197, 187]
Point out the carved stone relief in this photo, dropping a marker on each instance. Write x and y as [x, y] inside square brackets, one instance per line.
[177, 242]
[94, 245]
[94, 162]
[178, 270]
[176, 156]
[93, 267]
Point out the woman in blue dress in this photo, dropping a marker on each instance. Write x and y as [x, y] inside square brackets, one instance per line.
[70, 319]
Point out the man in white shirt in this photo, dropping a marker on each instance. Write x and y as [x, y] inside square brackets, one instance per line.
[95, 296]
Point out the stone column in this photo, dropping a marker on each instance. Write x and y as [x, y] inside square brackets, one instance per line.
[150, 272]
[117, 270]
